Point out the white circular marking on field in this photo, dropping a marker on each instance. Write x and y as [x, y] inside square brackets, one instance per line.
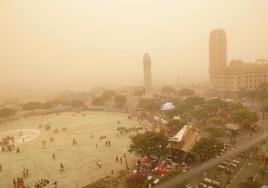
[21, 135]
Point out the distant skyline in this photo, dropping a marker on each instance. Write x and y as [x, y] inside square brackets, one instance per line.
[97, 41]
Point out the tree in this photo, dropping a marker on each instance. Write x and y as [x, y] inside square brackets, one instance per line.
[149, 105]
[60, 101]
[216, 131]
[77, 104]
[200, 114]
[47, 105]
[149, 144]
[120, 100]
[168, 90]
[262, 94]
[139, 92]
[187, 92]
[98, 101]
[175, 125]
[7, 112]
[217, 120]
[194, 101]
[244, 117]
[208, 147]
[31, 106]
[108, 94]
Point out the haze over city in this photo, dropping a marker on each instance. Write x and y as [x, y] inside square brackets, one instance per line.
[91, 42]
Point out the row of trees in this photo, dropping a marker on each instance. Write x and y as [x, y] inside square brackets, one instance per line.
[7, 112]
[106, 96]
[258, 94]
[35, 105]
[214, 112]
[184, 92]
[154, 144]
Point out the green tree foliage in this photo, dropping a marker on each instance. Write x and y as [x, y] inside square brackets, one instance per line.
[244, 117]
[149, 105]
[187, 105]
[47, 105]
[149, 144]
[77, 104]
[98, 101]
[262, 94]
[168, 90]
[200, 114]
[60, 101]
[217, 120]
[187, 92]
[139, 92]
[193, 101]
[7, 112]
[108, 94]
[31, 106]
[214, 105]
[208, 147]
[175, 125]
[120, 100]
[216, 131]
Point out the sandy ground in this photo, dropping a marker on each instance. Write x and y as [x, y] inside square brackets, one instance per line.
[79, 161]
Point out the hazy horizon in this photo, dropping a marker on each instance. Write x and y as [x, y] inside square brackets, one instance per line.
[61, 42]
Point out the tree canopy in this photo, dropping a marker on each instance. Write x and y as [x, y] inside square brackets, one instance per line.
[98, 101]
[77, 104]
[7, 112]
[175, 126]
[168, 90]
[108, 94]
[262, 94]
[216, 131]
[120, 100]
[149, 144]
[31, 106]
[150, 105]
[187, 92]
[244, 117]
[208, 147]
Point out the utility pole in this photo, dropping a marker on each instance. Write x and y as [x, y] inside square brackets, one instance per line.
[126, 161]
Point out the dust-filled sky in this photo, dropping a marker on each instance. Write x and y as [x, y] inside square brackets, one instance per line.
[93, 41]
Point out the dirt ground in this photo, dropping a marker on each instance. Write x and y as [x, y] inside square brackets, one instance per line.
[79, 160]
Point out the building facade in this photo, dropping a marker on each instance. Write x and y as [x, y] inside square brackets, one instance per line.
[237, 74]
[147, 74]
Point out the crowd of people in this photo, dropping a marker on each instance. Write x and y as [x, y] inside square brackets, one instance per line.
[18, 183]
[41, 183]
[7, 143]
[125, 131]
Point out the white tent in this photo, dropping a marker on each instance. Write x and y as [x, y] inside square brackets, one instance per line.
[167, 106]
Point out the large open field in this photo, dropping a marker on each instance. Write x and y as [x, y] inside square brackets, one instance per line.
[79, 160]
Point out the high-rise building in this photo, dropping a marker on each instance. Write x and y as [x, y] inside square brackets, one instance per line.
[147, 74]
[237, 74]
[217, 50]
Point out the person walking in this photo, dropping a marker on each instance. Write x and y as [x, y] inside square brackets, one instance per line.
[14, 183]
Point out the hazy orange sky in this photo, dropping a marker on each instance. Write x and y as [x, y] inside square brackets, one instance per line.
[93, 41]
